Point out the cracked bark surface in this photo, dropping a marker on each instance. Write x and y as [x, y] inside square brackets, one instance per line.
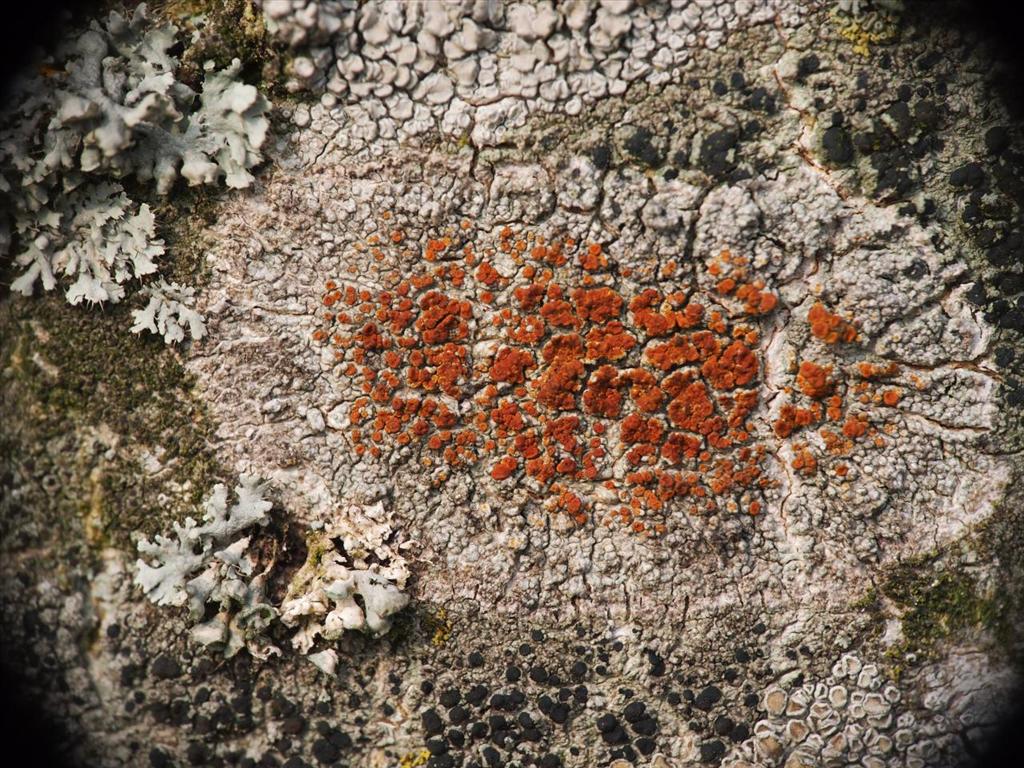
[850, 598]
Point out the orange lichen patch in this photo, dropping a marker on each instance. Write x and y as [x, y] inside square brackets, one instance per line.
[435, 248]
[558, 313]
[597, 305]
[804, 461]
[560, 380]
[690, 316]
[504, 468]
[529, 330]
[756, 301]
[449, 366]
[552, 254]
[716, 322]
[872, 371]
[643, 389]
[442, 318]
[511, 365]
[572, 505]
[370, 338]
[561, 433]
[507, 418]
[680, 446]
[527, 445]
[855, 426]
[488, 275]
[726, 286]
[739, 405]
[592, 259]
[693, 410]
[830, 328]
[919, 383]
[891, 397]
[835, 408]
[729, 474]
[530, 296]
[609, 342]
[638, 429]
[651, 320]
[792, 418]
[814, 380]
[679, 350]
[602, 396]
[736, 366]
[835, 442]
[461, 331]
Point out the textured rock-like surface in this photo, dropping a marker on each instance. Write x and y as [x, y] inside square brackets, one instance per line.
[635, 383]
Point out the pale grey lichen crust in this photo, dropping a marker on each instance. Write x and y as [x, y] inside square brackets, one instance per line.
[404, 580]
[210, 563]
[169, 312]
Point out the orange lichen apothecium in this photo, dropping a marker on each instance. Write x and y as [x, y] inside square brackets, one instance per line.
[568, 385]
[830, 328]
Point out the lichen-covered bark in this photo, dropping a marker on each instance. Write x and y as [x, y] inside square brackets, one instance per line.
[669, 351]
